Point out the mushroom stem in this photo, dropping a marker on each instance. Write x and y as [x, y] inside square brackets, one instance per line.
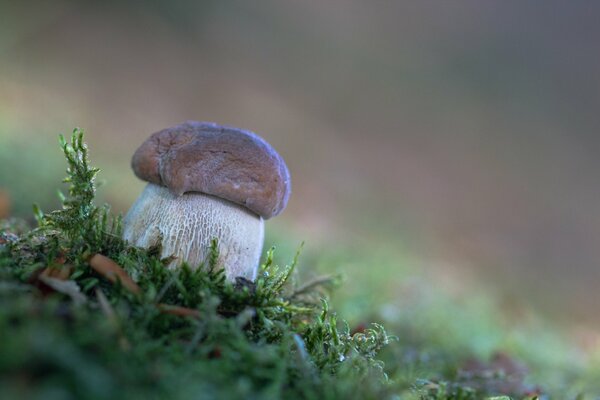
[185, 225]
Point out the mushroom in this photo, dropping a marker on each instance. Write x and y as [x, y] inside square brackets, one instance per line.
[207, 181]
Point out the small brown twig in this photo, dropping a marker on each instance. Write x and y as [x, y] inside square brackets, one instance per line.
[113, 272]
[315, 283]
[178, 310]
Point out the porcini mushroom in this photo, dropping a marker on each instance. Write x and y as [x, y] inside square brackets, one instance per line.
[207, 181]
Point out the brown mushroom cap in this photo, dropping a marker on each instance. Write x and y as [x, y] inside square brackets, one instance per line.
[222, 161]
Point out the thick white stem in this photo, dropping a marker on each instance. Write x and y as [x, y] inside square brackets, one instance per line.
[185, 225]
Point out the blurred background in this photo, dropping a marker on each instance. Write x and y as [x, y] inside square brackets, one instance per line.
[455, 140]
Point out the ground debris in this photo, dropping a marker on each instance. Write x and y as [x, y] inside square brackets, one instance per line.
[70, 288]
[501, 374]
[113, 272]
[178, 310]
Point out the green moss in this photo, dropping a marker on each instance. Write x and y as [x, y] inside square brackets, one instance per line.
[272, 338]
[263, 339]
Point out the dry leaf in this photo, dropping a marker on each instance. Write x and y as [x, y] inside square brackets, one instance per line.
[113, 272]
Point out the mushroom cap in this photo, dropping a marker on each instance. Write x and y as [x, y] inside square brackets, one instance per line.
[222, 161]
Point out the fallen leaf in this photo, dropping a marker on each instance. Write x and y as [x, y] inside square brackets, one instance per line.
[113, 272]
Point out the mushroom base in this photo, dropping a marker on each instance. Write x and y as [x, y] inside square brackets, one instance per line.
[185, 225]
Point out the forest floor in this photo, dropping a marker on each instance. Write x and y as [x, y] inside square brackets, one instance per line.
[83, 315]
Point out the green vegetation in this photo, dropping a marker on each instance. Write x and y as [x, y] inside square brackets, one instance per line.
[84, 337]
[71, 330]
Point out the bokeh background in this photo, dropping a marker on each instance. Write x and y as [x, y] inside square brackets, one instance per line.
[454, 140]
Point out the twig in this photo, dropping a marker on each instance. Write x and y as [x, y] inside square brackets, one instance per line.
[113, 272]
[308, 286]
[178, 310]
